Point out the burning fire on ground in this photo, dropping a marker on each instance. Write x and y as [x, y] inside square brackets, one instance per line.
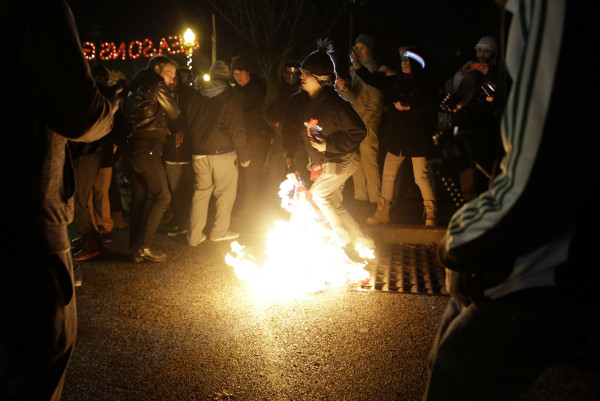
[302, 255]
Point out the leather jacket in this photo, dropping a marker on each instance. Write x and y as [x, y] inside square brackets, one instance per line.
[150, 102]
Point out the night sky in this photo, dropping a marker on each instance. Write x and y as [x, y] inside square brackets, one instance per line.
[441, 29]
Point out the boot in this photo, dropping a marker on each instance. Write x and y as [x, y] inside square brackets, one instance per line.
[429, 211]
[90, 249]
[382, 214]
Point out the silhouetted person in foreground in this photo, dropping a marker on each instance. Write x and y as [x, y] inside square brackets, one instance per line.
[521, 258]
[52, 100]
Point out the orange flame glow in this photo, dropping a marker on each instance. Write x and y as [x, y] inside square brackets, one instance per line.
[302, 255]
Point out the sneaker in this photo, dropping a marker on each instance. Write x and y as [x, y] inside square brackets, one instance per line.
[151, 255]
[136, 256]
[86, 253]
[360, 250]
[365, 242]
[227, 236]
[77, 243]
[353, 254]
[201, 240]
[177, 231]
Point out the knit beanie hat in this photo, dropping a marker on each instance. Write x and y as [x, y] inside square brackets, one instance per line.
[219, 71]
[366, 40]
[320, 64]
[487, 42]
[241, 64]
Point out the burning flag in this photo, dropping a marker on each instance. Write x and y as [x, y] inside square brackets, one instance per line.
[302, 255]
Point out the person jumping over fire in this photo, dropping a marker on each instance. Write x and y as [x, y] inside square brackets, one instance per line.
[332, 132]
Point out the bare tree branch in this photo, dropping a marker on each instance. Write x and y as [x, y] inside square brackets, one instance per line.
[271, 28]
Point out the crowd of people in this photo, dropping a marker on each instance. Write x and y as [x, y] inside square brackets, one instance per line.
[512, 276]
[184, 141]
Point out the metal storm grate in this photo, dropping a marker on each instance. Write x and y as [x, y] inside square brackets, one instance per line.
[408, 268]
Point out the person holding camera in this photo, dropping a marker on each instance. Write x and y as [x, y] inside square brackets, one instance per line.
[408, 131]
[517, 258]
[486, 51]
[470, 94]
[368, 103]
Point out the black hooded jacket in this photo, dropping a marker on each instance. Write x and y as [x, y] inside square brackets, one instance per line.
[341, 125]
[215, 125]
[406, 132]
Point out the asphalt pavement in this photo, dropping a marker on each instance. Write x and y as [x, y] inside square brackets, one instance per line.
[189, 329]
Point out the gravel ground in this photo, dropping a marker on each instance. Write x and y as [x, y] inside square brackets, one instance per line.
[189, 329]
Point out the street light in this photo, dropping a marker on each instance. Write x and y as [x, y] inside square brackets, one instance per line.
[189, 43]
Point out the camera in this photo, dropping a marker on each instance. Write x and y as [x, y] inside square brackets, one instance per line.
[456, 149]
[486, 92]
[450, 103]
[489, 89]
[318, 137]
[462, 135]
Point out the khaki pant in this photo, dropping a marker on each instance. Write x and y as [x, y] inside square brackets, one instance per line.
[390, 171]
[214, 175]
[327, 194]
[99, 202]
[367, 181]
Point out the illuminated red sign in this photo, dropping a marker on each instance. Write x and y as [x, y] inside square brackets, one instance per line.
[135, 48]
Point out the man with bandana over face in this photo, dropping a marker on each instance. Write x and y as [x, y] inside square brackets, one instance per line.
[332, 132]
[277, 99]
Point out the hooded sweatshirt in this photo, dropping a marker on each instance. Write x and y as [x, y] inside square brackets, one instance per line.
[215, 122]
[340, 124]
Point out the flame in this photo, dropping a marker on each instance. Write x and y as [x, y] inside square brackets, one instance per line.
[301, 255]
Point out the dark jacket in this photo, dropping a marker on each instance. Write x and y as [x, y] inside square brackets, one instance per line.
[215, 125]
[148, 106]
[276, 109]
[341, 125]
[252, 97]
[408, 132]
[171, 152]
[118, 136]
[529, 224]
